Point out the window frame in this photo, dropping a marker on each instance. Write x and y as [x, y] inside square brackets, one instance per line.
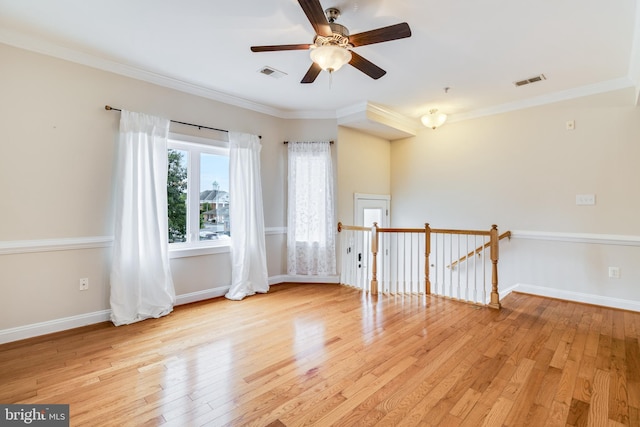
[194, 146]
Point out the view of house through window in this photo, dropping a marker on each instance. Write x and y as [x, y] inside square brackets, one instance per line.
[198, 193]
[214, 200]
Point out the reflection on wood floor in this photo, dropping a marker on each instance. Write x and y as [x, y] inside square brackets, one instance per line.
[325, 355]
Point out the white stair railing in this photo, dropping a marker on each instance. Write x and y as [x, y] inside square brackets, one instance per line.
[457, 264]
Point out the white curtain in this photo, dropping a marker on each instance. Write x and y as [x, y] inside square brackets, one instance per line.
[311, 217]
[248, 253]
[141, 284]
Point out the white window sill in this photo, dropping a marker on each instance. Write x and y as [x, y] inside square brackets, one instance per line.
[177, 251]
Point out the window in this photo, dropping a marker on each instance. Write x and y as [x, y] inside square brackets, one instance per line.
[198, 193]
[310, 217]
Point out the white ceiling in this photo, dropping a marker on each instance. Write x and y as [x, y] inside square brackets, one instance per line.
[477, 48]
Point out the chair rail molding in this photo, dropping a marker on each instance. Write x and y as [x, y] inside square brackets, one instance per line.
[602, 239]
[10, 247]
[49, 245]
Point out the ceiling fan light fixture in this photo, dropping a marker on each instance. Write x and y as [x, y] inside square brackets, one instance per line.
[434, 119]
[332, 45]
[330, 57]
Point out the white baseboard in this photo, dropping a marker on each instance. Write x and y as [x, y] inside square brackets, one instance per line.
[51, 326]
[573, 296]
[504, 292]
[57, 325]
[274, 280]
[285, 278]
[201, 295]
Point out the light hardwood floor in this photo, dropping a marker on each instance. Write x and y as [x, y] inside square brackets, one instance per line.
[326, 355]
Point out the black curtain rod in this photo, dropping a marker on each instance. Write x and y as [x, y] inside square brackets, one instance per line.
[286, 142]
[109, 108]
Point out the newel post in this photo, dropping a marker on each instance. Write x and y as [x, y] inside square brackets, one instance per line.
[495, 242]
[374, 252]
[427, 253]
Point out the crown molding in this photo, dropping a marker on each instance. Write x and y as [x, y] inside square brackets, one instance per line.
[378, 121]
[405, 124]
[309, 114]
[408, 124]
[352, 109]
[33, 44]
[565, 95]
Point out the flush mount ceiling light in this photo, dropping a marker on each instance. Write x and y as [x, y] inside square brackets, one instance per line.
[433, 119]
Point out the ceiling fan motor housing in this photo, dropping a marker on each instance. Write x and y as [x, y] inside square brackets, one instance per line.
[332, 14]
[339, 29]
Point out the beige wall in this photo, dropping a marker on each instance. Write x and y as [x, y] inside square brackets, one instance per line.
[364, 166]
[56, 176]
[522, 171]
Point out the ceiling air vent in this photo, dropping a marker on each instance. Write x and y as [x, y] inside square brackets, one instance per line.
[272, 72]
[530, 80]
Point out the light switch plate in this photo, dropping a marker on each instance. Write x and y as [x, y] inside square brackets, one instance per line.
[585, 199]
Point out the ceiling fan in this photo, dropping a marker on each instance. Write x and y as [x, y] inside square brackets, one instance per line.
[332, 46]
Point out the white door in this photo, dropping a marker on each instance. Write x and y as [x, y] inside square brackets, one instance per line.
[370, 209]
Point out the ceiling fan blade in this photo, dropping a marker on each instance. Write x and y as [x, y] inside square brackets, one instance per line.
[315, 14]
[366, 66]
[280, 47]
[384, 34]
[312, 73]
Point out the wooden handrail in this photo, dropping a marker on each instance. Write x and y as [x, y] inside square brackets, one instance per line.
[467, 232]
[479, 249]
[400, 230]
[493, 244]
[341, 227]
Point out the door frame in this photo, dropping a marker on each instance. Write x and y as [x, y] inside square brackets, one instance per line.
[383, 257]
[380, 197]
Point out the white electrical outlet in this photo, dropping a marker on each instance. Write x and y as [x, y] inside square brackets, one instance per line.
[84, 284]
[614, 272]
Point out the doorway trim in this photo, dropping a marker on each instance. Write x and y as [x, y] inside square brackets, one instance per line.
[363, 196]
